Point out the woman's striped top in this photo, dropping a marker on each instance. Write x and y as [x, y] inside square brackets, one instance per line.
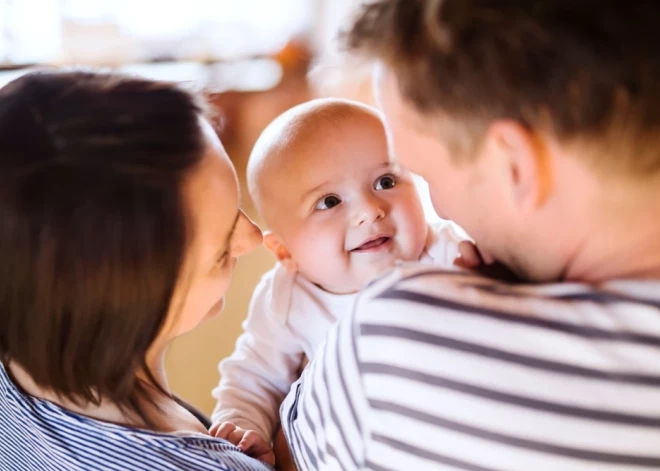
[37, 435]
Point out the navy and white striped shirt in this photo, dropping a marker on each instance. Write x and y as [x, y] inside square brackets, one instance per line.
[37, 435]
[450, 371]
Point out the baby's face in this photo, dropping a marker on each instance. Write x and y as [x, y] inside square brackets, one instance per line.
[345, 213]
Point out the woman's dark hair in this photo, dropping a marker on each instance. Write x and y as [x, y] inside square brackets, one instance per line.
[93, 226]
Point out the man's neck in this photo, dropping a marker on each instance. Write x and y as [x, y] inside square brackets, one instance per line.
[636, 258]
[623, 240]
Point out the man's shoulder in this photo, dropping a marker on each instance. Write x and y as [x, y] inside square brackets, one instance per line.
[424, 279]
[416, 290]
[410, 292]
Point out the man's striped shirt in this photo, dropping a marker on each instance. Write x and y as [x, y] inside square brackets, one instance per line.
[37, 435]
[450, 371]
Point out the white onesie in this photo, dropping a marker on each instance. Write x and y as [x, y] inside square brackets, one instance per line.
[287, 321]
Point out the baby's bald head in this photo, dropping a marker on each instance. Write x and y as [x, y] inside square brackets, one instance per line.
[289, 145]
[340, 212]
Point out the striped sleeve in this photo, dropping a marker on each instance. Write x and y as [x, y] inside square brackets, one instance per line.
[323, 417]
[440, 371]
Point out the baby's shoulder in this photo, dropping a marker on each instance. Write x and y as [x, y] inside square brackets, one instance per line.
[442, 246]
[273, 292]
[443, 230]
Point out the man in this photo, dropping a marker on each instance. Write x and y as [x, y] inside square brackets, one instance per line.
[537, 126]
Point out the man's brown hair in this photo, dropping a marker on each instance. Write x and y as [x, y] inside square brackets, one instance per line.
[587, 71]
[93, 228]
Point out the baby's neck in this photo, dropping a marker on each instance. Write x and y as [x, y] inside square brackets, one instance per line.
[336, 291]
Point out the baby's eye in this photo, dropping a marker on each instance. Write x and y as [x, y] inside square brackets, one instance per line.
[386, 182]
[327, 202]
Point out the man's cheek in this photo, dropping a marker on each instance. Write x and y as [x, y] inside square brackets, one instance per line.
[439, 204]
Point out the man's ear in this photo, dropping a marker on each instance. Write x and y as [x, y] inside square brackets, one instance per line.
[529, 167]
[276, 247]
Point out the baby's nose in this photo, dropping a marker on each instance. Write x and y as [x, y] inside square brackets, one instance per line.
[369, 211]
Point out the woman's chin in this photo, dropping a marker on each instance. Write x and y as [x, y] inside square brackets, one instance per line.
[215, 311]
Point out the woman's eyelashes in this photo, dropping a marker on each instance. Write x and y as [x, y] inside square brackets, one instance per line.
[221, 262]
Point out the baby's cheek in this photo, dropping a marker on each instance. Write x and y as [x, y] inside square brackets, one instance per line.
[323, 255]
[412, 235]
[312, 239]
[321, 246]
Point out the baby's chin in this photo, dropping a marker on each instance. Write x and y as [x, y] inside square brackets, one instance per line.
[353, 281]
[361, 272]
[365, 274]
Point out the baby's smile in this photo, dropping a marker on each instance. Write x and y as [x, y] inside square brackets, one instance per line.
[375, 244]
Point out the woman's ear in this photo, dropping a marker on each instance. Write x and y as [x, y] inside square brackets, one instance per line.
[277, 248]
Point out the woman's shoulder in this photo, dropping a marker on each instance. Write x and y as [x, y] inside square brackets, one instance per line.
[37, 434]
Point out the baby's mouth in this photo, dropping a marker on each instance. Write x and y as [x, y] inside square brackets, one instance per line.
[372, 245]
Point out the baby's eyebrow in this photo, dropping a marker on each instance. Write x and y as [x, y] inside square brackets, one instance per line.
[394, 165]
[391, 166]
[316, 189]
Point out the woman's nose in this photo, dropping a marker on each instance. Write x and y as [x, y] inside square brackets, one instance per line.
[247, 236]
[368, 210]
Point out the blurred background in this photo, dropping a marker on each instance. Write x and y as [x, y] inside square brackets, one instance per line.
[256, 58]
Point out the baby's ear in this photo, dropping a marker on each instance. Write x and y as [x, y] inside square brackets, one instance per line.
[277, 248]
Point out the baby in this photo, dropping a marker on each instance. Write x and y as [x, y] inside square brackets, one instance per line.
[340, 213]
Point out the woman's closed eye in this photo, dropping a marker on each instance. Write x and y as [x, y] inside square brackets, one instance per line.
[385, 182]
[327, 202]
[221, 262]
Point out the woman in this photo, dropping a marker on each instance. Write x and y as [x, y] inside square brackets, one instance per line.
[120, 229]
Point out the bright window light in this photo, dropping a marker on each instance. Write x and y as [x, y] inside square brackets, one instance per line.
[176, 29]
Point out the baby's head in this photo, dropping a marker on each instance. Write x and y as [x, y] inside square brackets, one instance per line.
[340, 213]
